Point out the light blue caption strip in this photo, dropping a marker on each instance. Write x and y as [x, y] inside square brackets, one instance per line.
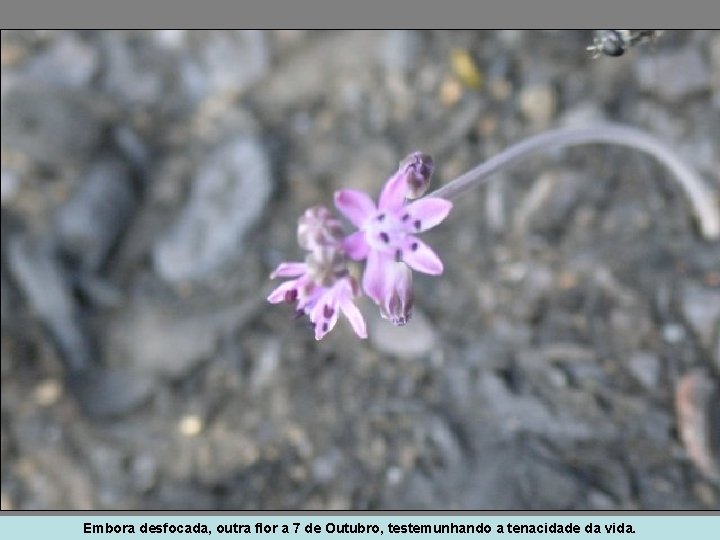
[338, 527]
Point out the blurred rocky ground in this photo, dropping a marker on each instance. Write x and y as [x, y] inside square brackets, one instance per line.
[567, 359]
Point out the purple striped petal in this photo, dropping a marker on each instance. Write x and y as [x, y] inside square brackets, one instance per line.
[354, 205]
[427, 213]
[289, 269]
[355, 246]
[374, 276]
[325, 314]
[392, 196]
[353, 315]
[278, 295]
[419, 256]
[397, 305]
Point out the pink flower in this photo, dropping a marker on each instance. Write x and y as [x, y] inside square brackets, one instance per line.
[321, 287]
[299, 290]
[386, 234]
[333, 300]
[321, 303]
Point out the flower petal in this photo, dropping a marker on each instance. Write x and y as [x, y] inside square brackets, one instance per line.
[351, 311]
[289, 269]
[355, 205]
[355, 246]
[308, 300]
[325, 314]
[278, 295]
[398, 301]
[374, 276]
[428, 212]
[392, 196]
[419, 256]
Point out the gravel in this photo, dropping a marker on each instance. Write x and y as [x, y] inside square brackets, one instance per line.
[567, 358]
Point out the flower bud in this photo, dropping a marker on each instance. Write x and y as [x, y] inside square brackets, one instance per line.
[318, 229]
[397, 301]
[418, 168]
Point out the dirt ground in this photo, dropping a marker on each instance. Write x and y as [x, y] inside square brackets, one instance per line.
[568, 357]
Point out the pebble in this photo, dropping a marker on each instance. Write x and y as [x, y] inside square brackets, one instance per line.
[673, 76]
[399, 50]
[69, 63]
[9, 185]
[548, 205]
[227, 62]
[190, 425]
[133, 69]
[414, 340]
[266, 365]
[228, 196]
[715, 58]
[673, 333]
[50, 127]
[48, 392]
[538, 103]
[143, 472]
[155, 339]
[645, 367]
[701, 307]
[465, 69]
[111, 392]
[91, 221]
[697, 406]
[41, 278]
[450, 92]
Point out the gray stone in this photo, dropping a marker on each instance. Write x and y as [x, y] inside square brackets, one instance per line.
[228, 196]
[673, 333]
[673, 76]
[43, 281]
[151, 338]
[9, 185]
[645, 367]
[550, 202]
[569, 416]
[701, 307]
[538, 102]
[69, 63]
[413, 340]
[50, 127]
[226, 62]
[133, 72]
[697, 406]
[90, 222]
[399, 50]
[104, 393]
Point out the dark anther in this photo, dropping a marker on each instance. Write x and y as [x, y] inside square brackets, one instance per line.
[291, 296]
[384, 237]
[414, 246]
[381, 217]
[325, 327]
[328, 311]
[417, 224]
[406, 217]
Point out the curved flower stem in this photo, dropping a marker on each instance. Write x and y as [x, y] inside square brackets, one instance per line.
[698, 193]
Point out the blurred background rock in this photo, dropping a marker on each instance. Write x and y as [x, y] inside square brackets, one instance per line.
[151, 180]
